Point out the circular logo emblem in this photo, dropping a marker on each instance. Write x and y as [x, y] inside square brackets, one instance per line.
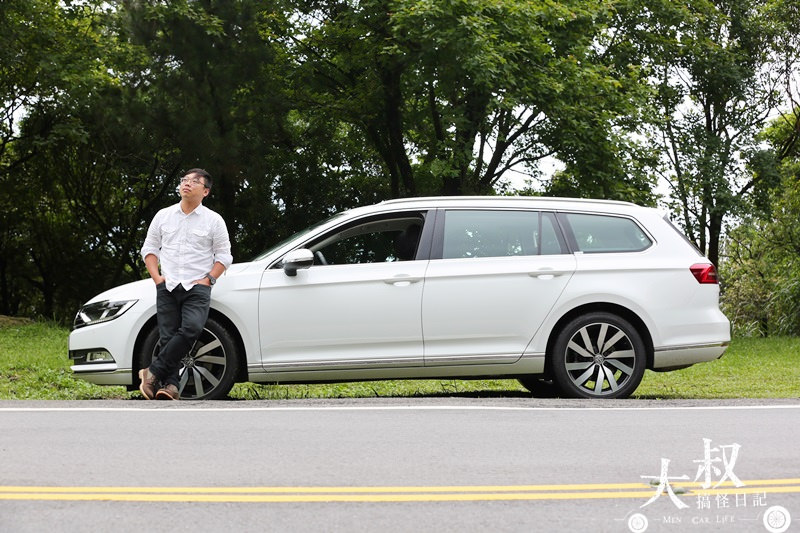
[777, 519]
[638, 523]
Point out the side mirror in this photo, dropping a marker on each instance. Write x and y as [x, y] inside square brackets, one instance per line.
[297, 259]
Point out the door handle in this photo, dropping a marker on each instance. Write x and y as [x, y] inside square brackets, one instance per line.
[547, 273]
[401, 280]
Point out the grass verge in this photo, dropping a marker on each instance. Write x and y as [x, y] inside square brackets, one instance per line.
[34, 365]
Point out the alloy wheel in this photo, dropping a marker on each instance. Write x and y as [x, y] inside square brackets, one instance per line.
[203, 367]
[600, 359]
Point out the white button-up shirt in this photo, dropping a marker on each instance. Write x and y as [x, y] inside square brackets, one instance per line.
[187, 246]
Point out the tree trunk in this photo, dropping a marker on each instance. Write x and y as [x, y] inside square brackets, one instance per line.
[393, 103]
[714, 233]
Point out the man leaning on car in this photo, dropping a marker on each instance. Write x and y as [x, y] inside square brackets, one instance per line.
[191, 243]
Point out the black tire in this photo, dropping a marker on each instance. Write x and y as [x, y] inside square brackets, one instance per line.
[209, 369]
[598, 355]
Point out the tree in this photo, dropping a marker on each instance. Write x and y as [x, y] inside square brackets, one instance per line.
[762, 296]
[217, 92]
[142, 90]
[784, 32]
[27, 31]
[449, 95]
[47, 60]
[716, 87]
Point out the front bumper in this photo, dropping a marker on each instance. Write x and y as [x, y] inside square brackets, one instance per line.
[103, 374]
[117, 338]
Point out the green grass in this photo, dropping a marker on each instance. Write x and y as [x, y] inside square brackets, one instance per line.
[750, 368]
[34, 365]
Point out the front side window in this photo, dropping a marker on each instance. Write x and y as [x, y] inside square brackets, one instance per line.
[605, 234]
[377, 240]
[484, 233]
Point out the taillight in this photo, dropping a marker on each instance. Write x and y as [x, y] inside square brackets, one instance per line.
[704, 273]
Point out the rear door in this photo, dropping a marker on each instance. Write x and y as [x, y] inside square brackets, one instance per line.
[494, 276]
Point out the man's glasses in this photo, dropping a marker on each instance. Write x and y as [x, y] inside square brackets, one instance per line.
[192, 181]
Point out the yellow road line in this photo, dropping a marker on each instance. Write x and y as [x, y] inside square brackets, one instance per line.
[383, 494]
[310, 498]
[332, 490]
[377, 489]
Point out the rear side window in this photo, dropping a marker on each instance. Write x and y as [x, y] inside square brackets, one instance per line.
[604, 233]
[483, 233]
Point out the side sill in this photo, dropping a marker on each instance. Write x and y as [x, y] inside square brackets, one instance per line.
[479, 359]
[528, 364]
[341, 364]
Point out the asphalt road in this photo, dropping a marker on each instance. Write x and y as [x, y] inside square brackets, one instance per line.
[436, 464]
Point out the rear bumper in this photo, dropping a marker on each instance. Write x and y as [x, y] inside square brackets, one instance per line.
[681, 356]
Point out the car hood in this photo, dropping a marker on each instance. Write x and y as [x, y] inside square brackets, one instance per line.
[129, 291]
[144, 289]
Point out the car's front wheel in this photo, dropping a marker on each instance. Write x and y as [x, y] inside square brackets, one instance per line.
[598, 355]
[209, 369]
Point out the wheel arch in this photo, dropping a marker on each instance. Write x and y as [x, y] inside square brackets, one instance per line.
[241, 372]
[152, 322]
[145, 330]
[616, 309]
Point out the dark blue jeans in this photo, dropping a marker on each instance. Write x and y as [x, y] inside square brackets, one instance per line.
[181, 317]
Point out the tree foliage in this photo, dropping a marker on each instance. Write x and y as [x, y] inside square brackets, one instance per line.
[450, 95]
[52, 64]
[300, 108]
[763, 250]
[717, 85]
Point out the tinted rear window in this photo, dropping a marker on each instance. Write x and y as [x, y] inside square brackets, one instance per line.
[605, 234]
[485, 233]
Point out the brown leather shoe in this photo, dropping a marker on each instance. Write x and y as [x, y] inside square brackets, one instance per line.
[169, 392]
[147, 384]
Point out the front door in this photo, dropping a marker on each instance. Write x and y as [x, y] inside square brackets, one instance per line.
[357, 307]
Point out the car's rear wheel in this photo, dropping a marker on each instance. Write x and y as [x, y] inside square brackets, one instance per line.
[209, 369]
[598, 355]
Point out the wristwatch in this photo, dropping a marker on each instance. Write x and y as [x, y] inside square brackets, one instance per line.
[211, 278]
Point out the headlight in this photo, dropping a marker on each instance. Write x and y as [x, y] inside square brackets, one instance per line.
[104, 311]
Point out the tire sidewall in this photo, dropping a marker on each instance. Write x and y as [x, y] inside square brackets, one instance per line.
[228, 378]
[560, 374]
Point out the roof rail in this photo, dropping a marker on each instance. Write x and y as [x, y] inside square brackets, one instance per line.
[507, 198]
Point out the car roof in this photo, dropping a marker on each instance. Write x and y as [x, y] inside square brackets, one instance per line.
[473, 202]
[537, 202]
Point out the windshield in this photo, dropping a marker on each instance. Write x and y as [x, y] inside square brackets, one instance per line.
[297, 235]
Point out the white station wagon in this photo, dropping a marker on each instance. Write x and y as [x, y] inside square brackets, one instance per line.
[583, 294]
